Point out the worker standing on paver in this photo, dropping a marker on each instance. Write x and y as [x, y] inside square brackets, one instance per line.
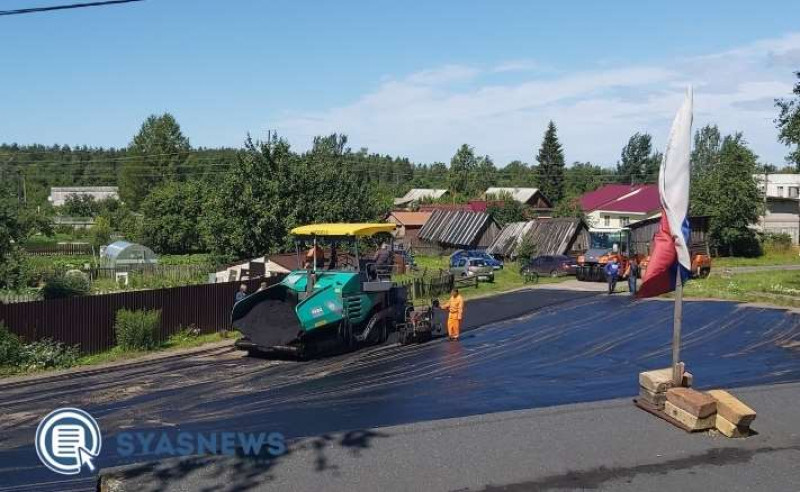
[455, 309]
[612, 272]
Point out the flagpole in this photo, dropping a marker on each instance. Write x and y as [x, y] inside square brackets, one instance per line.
[677, 373]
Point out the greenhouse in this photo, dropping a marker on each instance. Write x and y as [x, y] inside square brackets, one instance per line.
[122, 253]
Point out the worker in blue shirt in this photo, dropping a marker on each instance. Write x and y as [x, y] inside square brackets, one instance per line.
[612, 272]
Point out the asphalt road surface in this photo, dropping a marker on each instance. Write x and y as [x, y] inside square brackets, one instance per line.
[569, 347]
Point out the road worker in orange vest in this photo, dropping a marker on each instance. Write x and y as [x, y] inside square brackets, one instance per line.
[455, 308]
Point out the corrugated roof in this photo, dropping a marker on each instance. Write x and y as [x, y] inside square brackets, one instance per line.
[417, 194]
[643, 200]
[506, 243]
[412, 219]
[592, 200]
[455, 227]
[622, 198]
[522, 195]
[556, 236]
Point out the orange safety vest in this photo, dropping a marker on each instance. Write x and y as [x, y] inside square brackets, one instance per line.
[455, 307]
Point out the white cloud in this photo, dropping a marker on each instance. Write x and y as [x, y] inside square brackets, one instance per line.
[428, 114]
[517, 66]
[443, 75]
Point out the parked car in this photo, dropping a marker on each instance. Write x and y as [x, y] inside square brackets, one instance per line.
[475, 253]
[554, 266]
[473, 267]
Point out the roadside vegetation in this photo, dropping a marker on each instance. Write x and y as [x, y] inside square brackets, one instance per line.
[136, 334]
[778, 287]
[505, 280]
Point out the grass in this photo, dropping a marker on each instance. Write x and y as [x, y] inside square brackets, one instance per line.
[504, 280]
[790, 257]
[180, 341]
[773, 287]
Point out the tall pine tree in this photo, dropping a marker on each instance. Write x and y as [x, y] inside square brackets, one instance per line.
[550, 172]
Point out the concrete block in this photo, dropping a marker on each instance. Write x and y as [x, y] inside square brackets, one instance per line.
[732, 409]
[655, 399]
[658, 381]
[696, 403]
[729, 429]
[689, 420]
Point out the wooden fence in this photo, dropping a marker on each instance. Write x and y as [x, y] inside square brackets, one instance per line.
[68, 249]
[427, 286]
[89, 321]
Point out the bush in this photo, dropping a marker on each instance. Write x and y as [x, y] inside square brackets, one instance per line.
[137, 330]
[47, 354]
[71, 284]
[779, 243]
[525, 250]
[10, 347]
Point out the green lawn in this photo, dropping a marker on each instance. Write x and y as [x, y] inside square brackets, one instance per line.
[790, 257]
[504, 280]
[773, 287]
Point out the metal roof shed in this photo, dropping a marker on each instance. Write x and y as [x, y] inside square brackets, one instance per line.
[459, 229]
[124, 253]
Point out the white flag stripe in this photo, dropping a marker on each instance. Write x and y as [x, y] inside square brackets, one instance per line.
[673, 178]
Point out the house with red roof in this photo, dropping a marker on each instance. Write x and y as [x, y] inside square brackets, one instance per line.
[615, 206]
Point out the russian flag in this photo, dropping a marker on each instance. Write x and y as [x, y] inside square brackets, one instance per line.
[670, 251]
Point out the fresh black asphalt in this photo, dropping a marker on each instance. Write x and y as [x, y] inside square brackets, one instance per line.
[569, 347]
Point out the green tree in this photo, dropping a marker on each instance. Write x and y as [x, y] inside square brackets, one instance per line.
[271, 190]
[569, 207]
[788, 123]
[78, 205]
[486, 173]
[705, 156]
[550, 172]
[100, 233]
[159, 153]
[582, 177]
[639, 164]
[728, 193]
[516, 174]
[12, 231]
[171, 214]
[461, 177]
[505, 209]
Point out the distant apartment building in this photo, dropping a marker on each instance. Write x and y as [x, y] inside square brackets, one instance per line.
[58, 195]
[782, 204]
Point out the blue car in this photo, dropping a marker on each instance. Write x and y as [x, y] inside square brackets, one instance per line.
[474, 253]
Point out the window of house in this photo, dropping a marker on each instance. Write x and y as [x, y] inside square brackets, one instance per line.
[624, 221]
[794, 192]
[606, 220]
[780, 190]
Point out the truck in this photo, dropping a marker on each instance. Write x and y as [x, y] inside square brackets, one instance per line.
[635, 241]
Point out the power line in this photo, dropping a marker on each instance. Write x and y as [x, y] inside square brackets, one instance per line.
[34, 10]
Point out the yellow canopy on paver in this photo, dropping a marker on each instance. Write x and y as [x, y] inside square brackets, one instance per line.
[343, 229]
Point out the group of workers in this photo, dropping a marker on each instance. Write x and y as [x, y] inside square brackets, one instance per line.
[613, 273]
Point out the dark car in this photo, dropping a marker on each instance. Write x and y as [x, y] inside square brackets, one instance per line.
[474, 253]
[554, 266]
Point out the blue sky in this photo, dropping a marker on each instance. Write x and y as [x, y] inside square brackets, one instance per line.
[410, 78]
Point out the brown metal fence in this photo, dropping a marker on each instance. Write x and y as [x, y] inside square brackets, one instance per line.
[89, 321]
